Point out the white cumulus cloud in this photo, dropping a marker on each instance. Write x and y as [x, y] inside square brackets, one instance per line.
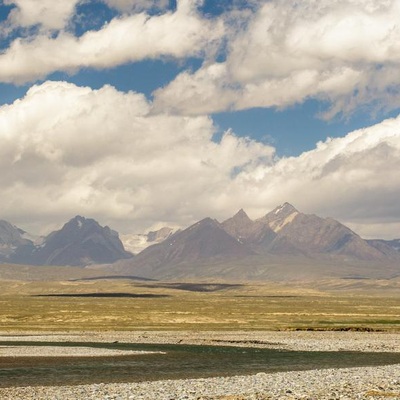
[342, 52]
[128, 38]
[49, 14]
[274, 54]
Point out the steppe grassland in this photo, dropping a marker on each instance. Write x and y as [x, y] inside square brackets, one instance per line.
[246, 307]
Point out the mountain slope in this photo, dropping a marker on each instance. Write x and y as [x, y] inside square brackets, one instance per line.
[81, 241]
[204, 242]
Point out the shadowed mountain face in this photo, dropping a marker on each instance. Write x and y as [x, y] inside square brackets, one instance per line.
[81, 241]
[389, 247]
[283, 242]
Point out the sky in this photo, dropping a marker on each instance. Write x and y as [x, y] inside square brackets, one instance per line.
[151, 113]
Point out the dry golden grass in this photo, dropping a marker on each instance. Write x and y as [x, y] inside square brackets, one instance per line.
[248, 307]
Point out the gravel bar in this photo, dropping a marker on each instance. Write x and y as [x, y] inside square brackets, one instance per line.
[64, 351]
[287, 340]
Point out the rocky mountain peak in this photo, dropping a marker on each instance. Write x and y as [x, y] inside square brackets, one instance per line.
[280, 216]
[285, 208]
[78, 222]
[241, 216]
[239, 219]
[206, 222]
[238, 225]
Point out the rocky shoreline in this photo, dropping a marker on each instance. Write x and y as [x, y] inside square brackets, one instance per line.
[381, 382]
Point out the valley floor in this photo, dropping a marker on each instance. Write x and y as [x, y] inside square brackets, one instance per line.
[378, 382]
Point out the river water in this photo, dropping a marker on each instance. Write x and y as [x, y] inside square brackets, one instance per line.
[178, 362]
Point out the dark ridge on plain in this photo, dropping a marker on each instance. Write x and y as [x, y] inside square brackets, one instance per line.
[136, 295]
[105, 277]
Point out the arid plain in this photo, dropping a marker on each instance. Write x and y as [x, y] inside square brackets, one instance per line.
[82, 302]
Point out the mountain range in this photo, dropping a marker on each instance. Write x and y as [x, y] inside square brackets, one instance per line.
[283, 243]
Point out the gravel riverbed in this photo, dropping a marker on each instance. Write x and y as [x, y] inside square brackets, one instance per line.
[381, 382]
